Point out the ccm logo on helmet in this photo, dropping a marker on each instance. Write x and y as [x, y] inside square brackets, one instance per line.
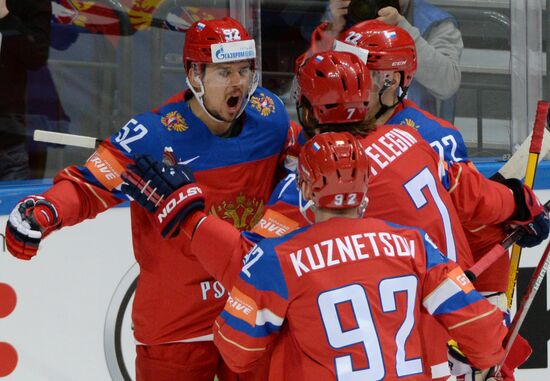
[398, 63]
[174, 201]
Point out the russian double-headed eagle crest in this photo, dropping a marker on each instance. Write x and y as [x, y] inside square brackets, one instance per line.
[263, 103]
[174, 121]
[244, 213]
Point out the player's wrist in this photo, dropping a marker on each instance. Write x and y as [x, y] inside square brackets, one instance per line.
[190, 225]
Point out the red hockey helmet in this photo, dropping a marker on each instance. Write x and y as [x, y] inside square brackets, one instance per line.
[390, 48]
[217, 41]
[335, 167]
[336, 85]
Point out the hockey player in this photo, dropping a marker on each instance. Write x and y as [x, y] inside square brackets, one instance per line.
[391, 56]
[405, 184]
[392, 59]
[346, 293]
[389, 51]
[233, 135]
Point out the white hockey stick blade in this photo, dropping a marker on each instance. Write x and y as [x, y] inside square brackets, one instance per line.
[65, 139]
[515, 167]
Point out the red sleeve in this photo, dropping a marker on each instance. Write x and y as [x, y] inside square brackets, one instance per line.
[254, 313]
[478, 200]
[217, 245]
[495, 278]
[470, 319]
[321, 41]
[288, 159]
[81, 192]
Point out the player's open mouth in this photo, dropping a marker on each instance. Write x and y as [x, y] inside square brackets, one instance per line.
[233, 101]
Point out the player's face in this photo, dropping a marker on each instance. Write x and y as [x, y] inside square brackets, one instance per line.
[374, 101]
[389, 96]
[226, 88]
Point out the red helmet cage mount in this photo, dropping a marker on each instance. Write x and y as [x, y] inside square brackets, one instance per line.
[337, 85]
[335, 167]
[390, 47]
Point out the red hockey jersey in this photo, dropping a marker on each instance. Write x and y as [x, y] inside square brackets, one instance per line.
[426, 202]
[176, 299]
[350, 294]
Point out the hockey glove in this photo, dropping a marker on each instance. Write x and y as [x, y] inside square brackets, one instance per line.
[461, 368]
[169, 192]
[529, 213]
[32, 219]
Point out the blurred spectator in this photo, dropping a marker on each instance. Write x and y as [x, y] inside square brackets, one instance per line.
[438, 44]
[25, 29]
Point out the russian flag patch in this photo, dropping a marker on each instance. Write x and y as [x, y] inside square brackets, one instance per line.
[200, 26]
[391, 35]
[316, 147]
[319, 58]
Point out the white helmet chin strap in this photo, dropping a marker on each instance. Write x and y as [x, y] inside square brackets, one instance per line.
[304, 208]
[199, 95]
[251, 89]
[363, 207]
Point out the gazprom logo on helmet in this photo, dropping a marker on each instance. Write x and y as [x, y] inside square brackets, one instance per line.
[233, 51]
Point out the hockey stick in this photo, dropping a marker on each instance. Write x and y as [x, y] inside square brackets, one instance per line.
[516, 166]
[532, 161]
[523, 309]
[498, 251]
[66, 139]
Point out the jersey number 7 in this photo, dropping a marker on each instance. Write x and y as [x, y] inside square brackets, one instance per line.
[415, 187]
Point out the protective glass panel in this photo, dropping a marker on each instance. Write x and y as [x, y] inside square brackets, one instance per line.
[86, 67]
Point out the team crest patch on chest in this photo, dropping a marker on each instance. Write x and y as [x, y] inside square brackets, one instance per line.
[411, 123]
[244, 213]
[174, 121]
[263, 103]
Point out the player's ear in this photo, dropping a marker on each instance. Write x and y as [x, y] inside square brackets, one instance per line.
[194, 75]
[306, 191]
[395, 81]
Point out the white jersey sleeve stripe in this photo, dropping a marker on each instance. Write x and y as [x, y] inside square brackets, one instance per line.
[267, 316]
[443, 292]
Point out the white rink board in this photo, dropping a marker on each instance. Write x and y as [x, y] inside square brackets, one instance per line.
[62, 299]
[58, 325]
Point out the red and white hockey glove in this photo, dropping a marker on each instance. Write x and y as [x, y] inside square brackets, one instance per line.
[32, 219]
[169, 192]
[463, 371]
[529, 213]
